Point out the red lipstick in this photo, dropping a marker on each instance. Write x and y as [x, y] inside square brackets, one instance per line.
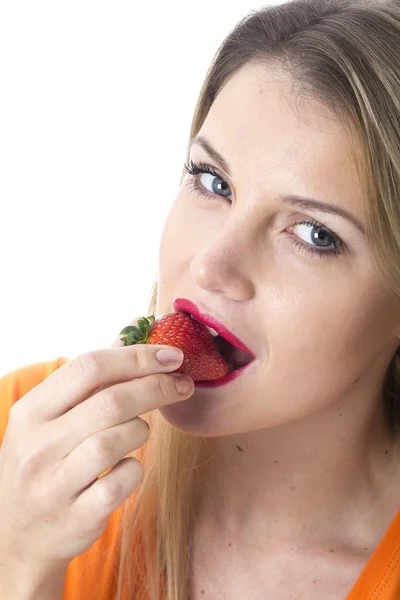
[184, 305]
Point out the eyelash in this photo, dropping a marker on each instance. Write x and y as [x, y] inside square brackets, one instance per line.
[196, 169]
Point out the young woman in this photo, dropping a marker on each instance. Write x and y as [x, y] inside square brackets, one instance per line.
[284, 483]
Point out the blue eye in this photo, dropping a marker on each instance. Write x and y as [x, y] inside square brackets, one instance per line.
[321, 241]
[315, 233]
[218, 188]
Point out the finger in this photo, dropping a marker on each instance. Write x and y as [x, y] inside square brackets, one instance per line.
[110, 491]
[76, 380]
[118, 343]
[101, 452]
[115, 405]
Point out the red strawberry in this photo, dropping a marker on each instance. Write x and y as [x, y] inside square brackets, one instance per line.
[202, 359]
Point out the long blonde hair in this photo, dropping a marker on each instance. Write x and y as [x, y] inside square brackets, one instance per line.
[345, 53]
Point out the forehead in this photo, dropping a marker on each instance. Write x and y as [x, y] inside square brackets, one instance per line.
[268, 132]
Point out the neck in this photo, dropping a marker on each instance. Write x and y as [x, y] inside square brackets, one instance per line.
[305, 478]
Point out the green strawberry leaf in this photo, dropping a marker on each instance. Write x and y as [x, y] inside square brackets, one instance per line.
[143, 326]
[139, 334]
[127, 330]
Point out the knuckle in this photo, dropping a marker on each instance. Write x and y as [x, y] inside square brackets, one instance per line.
[101, 449]
[162, 387]
[18, 414]
[140, 359]
[29, 460]
[108, 406]
[94, 527]
[138, 471]
[109, 494]
[115, 490]
[142, 431]
[91, 365]
[144, 424]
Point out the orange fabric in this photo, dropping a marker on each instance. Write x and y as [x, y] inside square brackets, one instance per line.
[92, 575]
[380, 580]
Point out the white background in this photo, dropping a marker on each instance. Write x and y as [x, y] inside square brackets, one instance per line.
[96, 103]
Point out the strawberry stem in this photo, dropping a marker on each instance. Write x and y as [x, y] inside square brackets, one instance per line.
[138, 335]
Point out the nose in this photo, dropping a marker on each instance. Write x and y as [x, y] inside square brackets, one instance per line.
[223, 266]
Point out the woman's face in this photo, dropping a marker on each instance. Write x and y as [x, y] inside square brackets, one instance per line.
[295, 282]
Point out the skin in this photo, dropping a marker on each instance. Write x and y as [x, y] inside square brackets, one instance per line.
[308, 415]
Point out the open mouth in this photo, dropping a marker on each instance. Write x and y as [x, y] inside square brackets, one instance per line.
[235, 357]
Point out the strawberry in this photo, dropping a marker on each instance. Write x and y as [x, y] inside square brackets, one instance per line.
[202, 359]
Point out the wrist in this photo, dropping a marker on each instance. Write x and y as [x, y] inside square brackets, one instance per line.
[19, 581]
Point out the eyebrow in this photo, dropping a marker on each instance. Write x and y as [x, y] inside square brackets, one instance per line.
[214, 154]
[326, 207]
[288, 199]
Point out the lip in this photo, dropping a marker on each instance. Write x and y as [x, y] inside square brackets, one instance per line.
[185, 305]
[224, 380]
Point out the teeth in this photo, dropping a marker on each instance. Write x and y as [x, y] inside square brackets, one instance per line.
[210, 329]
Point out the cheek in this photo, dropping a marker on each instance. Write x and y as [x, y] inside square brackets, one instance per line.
[172, 249]
[174, 258]
[326, 339]
[186, 232]
[177, 234]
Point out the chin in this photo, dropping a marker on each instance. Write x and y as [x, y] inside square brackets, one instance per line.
[192, 417]
[202, 417]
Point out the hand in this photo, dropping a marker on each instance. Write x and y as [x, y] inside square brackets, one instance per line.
[78, 423]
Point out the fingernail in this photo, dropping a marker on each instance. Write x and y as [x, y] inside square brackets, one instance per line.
[170, 356]
[183, 384]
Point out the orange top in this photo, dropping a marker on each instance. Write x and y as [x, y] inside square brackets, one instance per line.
[92, 575]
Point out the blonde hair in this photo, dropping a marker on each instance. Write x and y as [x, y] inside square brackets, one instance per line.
[345, 53]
